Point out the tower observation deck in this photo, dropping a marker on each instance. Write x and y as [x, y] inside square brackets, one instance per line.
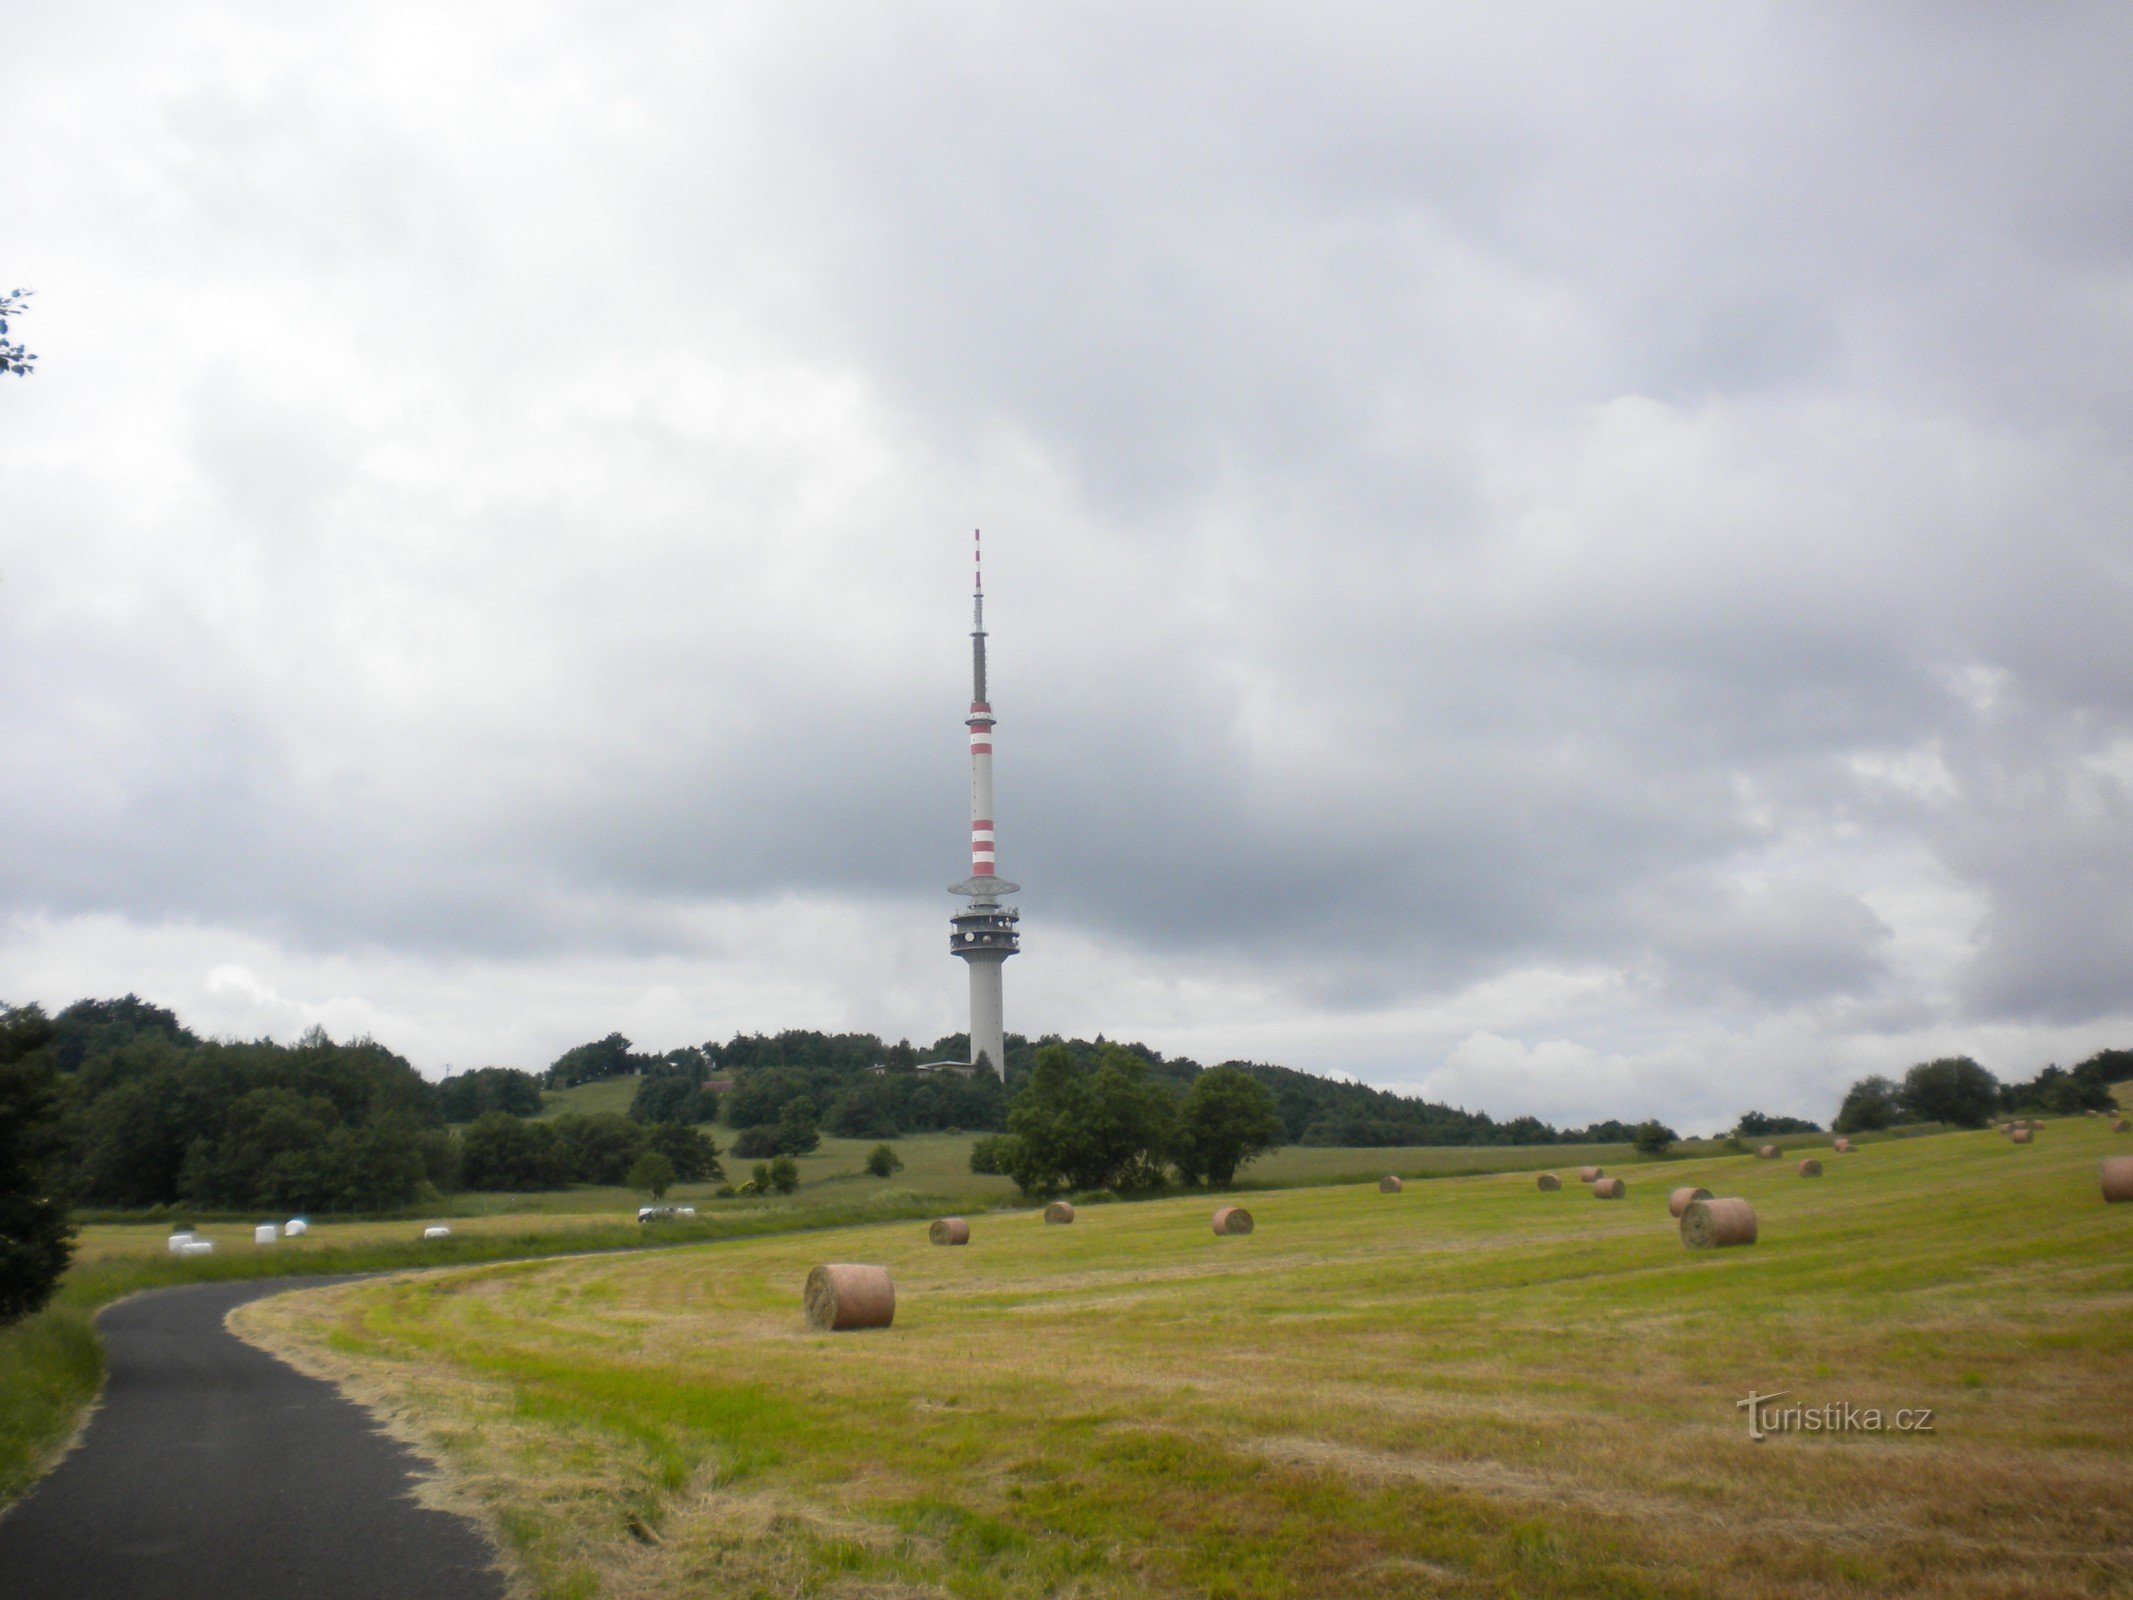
[984, 932]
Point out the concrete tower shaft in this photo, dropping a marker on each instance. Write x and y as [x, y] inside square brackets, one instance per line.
[985, 932]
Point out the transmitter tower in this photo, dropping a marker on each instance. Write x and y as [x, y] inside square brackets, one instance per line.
[984, 933]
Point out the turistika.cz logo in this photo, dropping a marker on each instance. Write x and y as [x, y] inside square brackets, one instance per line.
[1765, 1417]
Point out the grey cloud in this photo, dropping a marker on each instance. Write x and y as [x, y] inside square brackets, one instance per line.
[1469, 495]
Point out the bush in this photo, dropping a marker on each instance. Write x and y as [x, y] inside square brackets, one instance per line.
[752, 1144]
[1653, 1137]
[884, 1162]
[653, 1174]
[987, 1154]
[784, 1174]
[1869, 1105]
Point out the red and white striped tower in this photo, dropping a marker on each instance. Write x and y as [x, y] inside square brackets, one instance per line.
[985, 934]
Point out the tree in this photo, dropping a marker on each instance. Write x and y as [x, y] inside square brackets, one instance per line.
[784, 1174]
[694, 1156]
[36, 1239]
[990, 1155]
[600, 1148]
[584, 1063]
[1953, 1089]
[463, 1096]
[1653, 1137]
[884, 1162]
[797, 1133]
[1077, 1129]
[13, 358]
[1228, 1117]
[652, 1173]
[668, 1098]
[1870, 1104]
[1754, 1123]
[503, 1152]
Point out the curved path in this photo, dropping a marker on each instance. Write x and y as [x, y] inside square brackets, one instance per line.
[212, 1471]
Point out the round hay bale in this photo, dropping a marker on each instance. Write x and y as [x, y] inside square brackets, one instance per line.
[1842, 1147]
[1549, 1180]
[1591, 1174]
[2007, 1127]
[949, 1230]
[1768, 1152]
[2122, 1126]
[1678, 1201]
[1714, 1224]
[2094, 1112]
[1059, 1211]
[1232, 1219]
[2118, 1178]
[844, 1295]
[2021, 1136]
[1390, 1184]
[1810, 1168]
[1609, 1189]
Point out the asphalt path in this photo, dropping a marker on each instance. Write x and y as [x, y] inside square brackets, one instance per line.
[213, 1471]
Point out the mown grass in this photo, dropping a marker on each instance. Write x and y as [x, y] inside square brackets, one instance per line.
[51, 1364]
[1471, 1388]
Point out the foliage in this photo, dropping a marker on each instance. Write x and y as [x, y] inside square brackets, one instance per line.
[504, 1152]
[884, 1162]
[1110, 1129]
[1873, 1103]
[1754, 1124]
[1653, 1137]
[797, 1132]
[36, 1239]
[1226, 1118]
[463, 1096]
[784, 1174]
[13, 357]
[986, 1154]
[752, 1144]
[670, 1097]
[652, 1173]
[693, 1155]
[602, 1058]
[1953, 1089]
[156, 1116]
[2062, 1093]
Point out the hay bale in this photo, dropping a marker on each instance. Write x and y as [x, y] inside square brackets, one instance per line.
[1232, 1219]
[1810, 1168]
[1390, 1184]
[2118, 1178]
[1842, 1147]
[2122, 1126]
[1609, 1189]
[437, 1231]
[1591, 1174]
[949, 1230]
[1059, 1211]
[2007, 1127]
[1714, 1224]
[844, 1295]
[1678, 1201]
[2021, 1136]
[1768, 1152]
[1549, 1180]
[265, 1233]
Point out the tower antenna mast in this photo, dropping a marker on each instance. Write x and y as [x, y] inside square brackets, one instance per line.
[985, 932]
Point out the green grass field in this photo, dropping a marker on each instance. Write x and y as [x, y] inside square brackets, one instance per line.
[1470, 1388]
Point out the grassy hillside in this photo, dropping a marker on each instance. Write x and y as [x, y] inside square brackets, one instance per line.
[1470, 1388]
[602, 1094]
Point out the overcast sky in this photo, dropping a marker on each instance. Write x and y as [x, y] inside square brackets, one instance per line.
[1569, 559]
